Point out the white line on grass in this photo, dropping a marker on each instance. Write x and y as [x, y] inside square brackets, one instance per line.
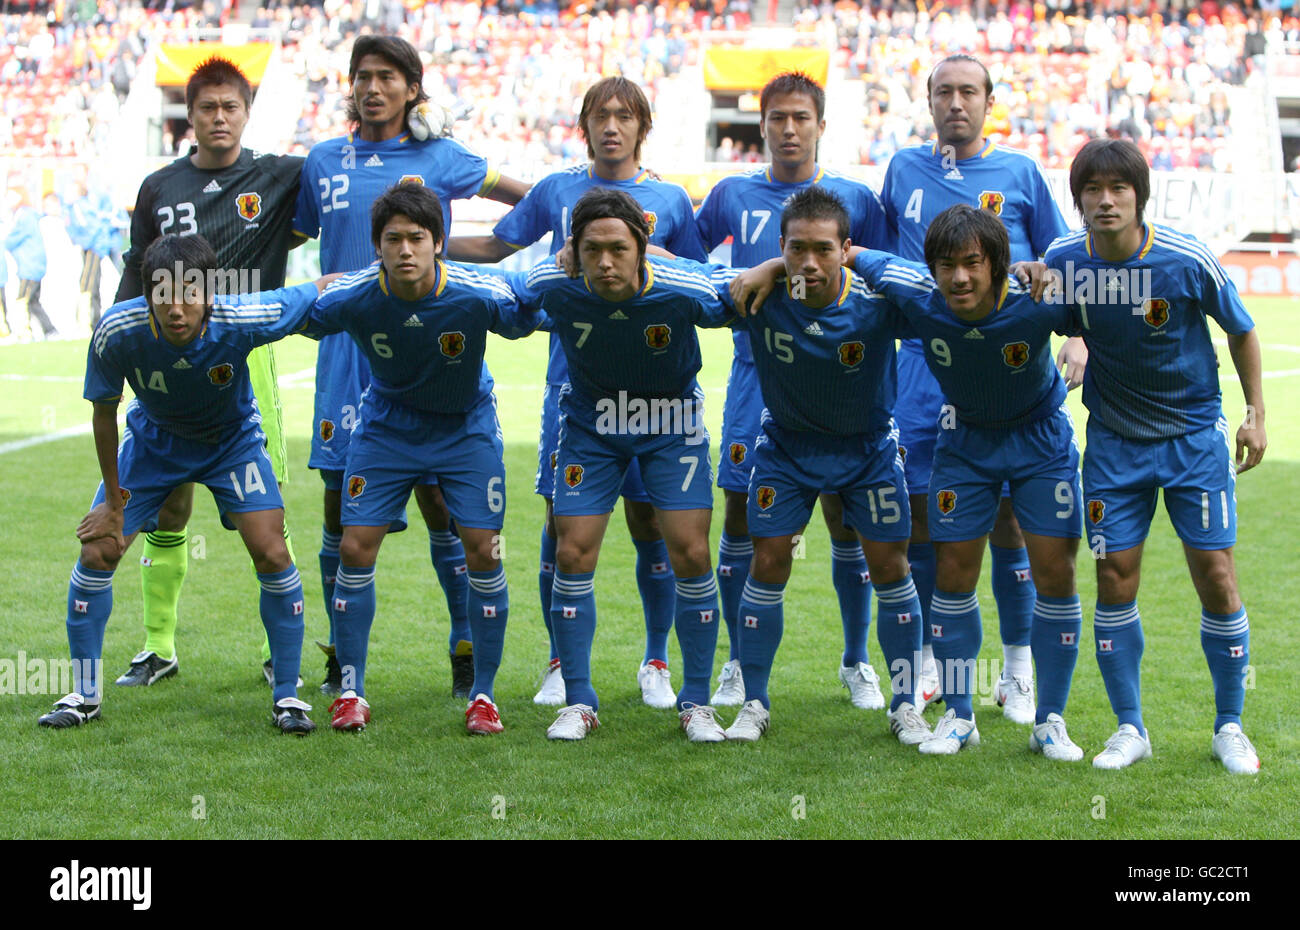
[55, 436]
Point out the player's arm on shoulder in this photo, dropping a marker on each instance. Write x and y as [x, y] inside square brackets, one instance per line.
[503, 188]
[1252, 440]
[483, 250]
[105, 520]
[750, 288]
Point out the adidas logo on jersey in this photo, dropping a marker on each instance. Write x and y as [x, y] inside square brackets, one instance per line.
[412, 320]
[618, 315]
[974, 334]
[213, 187]
[953, 175]
[181, 365]
[812, 329]
[374, 162]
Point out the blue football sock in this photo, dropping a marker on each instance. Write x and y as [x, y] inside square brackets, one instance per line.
[762, 611]
[329, 566]
[573, 620]
[354, 614]
[898, 629]
[656, 582]
[448, 557]
[282, 614]
[922, 559]
[1058, 621]
[697, 634]
[90, 601]
[1117, 629]
[956, 632]
[1225, 639]
[489, 608]
[545, 584]
[1014, 592]
[734, 555]
[852, 584]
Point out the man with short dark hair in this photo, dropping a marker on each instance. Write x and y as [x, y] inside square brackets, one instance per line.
[962, 166]
[615, 119]
[1155, 420]
[341, 178]
[183, 350]
[242, 202]
[429, 415]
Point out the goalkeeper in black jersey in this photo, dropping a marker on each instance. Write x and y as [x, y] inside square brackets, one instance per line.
[242, 202]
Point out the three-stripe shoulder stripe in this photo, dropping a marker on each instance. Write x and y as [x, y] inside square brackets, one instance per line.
[1192, 248]
[120, 323]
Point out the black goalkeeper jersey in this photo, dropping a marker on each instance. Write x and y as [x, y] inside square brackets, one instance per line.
[245, 212]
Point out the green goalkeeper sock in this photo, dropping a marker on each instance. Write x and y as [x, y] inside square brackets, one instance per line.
[162, 571]
[266, 643]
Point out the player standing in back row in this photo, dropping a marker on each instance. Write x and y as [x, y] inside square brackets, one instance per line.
[242, 202]
[920, 183]
[341, 179]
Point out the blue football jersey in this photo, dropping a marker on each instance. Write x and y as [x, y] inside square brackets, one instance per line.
[548, 208]
[829, 369]
[1152, 369]
[199, 391]
[645, 346]
[341, 179]
[920, 183]
[748, 208]
[425, 354]
[997, 372]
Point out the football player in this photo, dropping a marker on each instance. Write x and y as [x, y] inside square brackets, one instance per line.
[429, 413]
[615, 120]
[340, 180]
[183, 351]
[747, 207]
[242, 202]
[1155, 420]
[627, 329]
[962, 166]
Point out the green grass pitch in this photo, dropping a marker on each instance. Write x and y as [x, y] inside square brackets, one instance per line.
[196, 757]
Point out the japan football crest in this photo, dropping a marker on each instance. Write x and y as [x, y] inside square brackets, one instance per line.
[1156, 312]
[992, 201]
[651, 220]
[326, 430]
[736, 453]
[1015, 354]
[356, 486]
[452, 344]
[766, 496]
[573, 475]
[1096, 510]
[222, 374]
[851, 354]
[946, 500]
[658, 335]
[249, 205]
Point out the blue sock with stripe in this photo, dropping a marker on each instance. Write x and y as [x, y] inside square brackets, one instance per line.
[1117, 629]
[1225, 639]
[1058, 621]
[1014, 592]
[282, 610]
[546, 584]
[573, 620]
[697, 633]
[489, 608]
[329, 567]
[852, 584]
[448, 557]
[922, 559]
[734, 555]
[90, 601]
[762, 613]
[898, 629]
[657, 584]
[354, 615]
[956, 632]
